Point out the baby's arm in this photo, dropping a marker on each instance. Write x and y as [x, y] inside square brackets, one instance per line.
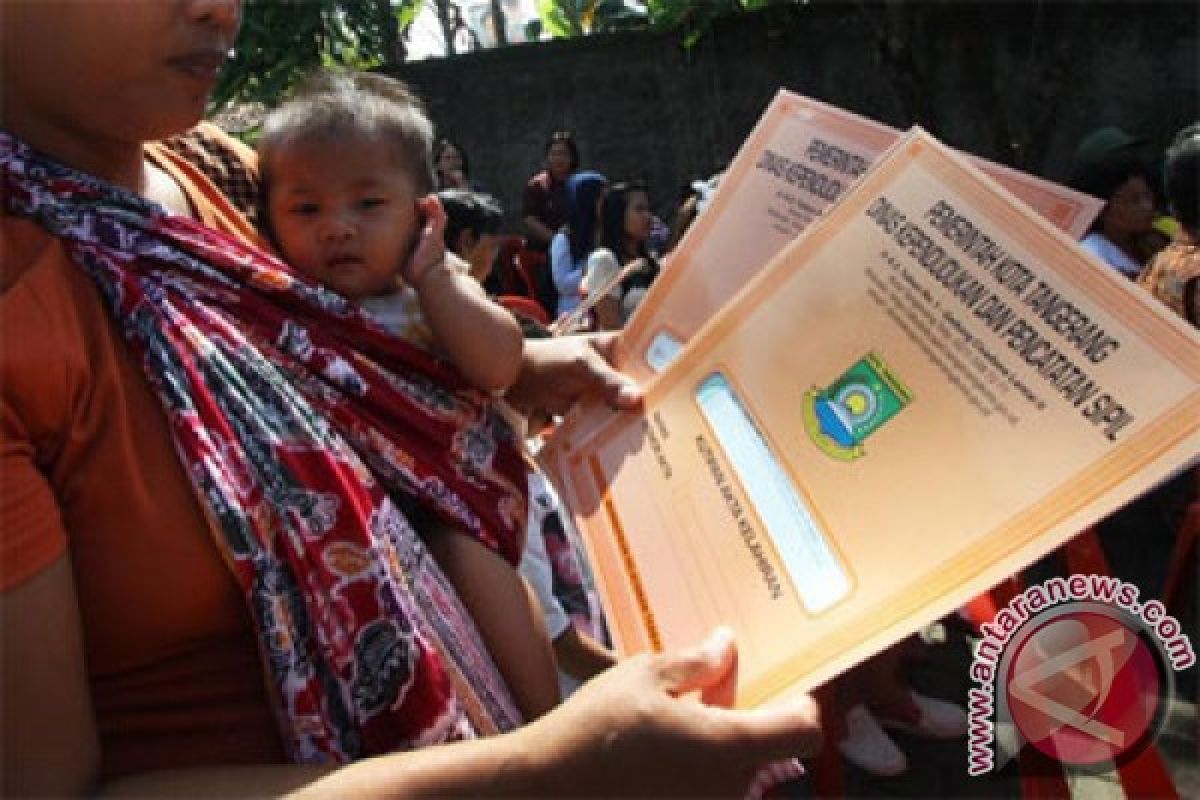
[581, 656]
[482, 338]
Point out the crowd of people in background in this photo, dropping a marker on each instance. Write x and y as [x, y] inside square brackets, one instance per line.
[579, 229]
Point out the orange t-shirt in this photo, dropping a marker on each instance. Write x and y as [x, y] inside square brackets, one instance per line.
[87, 467]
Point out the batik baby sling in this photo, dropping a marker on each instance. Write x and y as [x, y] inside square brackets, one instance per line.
[297, 420]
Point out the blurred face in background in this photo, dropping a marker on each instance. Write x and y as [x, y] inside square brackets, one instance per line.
[1130, 210]
[638, 217]
[558, 160]
[449, 167]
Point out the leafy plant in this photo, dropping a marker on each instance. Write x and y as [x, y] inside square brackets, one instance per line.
[282, 39]
[567, 18]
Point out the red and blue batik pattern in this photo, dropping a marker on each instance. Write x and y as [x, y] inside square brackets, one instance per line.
[297, 420]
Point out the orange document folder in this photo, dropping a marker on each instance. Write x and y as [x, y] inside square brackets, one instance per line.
[923, 393]
[801, 157]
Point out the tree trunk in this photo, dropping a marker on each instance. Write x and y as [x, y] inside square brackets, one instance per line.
[499, 24]
[393, 48]
[443, 9]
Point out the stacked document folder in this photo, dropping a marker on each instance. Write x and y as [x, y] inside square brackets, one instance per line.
[880, 378]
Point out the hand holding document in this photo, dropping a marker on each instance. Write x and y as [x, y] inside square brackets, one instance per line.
[924, 392]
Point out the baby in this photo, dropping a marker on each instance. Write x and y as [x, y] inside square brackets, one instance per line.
[473, 220]
[347, 177]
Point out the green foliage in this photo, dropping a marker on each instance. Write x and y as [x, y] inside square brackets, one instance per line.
[567, 18]
[609, 16]
[562, 18]
[280, 40]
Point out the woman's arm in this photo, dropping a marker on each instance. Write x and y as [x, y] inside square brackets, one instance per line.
[602, 268]
[628, 732]
[51, 747]
[538, 230]
[534, 200]
[567, 274]
[482, 339]
[608, 314]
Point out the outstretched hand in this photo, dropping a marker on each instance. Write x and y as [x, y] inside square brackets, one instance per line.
[632, 730]
[430, 250]
[559, 372]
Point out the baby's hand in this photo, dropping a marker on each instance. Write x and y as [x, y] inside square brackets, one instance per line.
[430, 251]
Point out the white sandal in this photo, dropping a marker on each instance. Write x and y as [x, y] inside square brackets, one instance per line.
[867, 746]
[938, 719]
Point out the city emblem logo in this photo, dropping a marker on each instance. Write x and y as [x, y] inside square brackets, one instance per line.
[841, 416]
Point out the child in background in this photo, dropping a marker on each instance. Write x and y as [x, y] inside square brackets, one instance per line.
[472, 228]
[347, 179]
[473, 220]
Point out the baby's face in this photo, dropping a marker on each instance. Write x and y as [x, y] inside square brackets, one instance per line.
[344, 212]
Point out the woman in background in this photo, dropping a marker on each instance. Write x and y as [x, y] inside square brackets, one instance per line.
[625, 227]
[544, 201]
[450, 166]
[544, 210]
[571, 246]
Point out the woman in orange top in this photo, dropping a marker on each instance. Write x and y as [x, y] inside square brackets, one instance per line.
[131, 539]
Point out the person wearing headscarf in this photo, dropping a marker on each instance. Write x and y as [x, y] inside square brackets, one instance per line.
[571, 246]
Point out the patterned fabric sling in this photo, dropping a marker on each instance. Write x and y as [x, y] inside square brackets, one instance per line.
[297, 420]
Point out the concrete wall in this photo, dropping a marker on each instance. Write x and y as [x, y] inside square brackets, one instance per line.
[1017, 82]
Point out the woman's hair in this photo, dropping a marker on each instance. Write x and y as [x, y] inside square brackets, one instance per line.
[1181, 175]
[1103, 177]
[469, 211]
[612, 236]
[443, 144]
[342, 103]
[612, 220]
[583, 190]
[568, 139]
[1104, 161]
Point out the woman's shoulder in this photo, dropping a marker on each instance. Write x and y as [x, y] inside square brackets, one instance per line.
[227, 161]
[602, 268]
[25, 245]
[218, 173]
[40, 283]
[602, 256]
[53, 309]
